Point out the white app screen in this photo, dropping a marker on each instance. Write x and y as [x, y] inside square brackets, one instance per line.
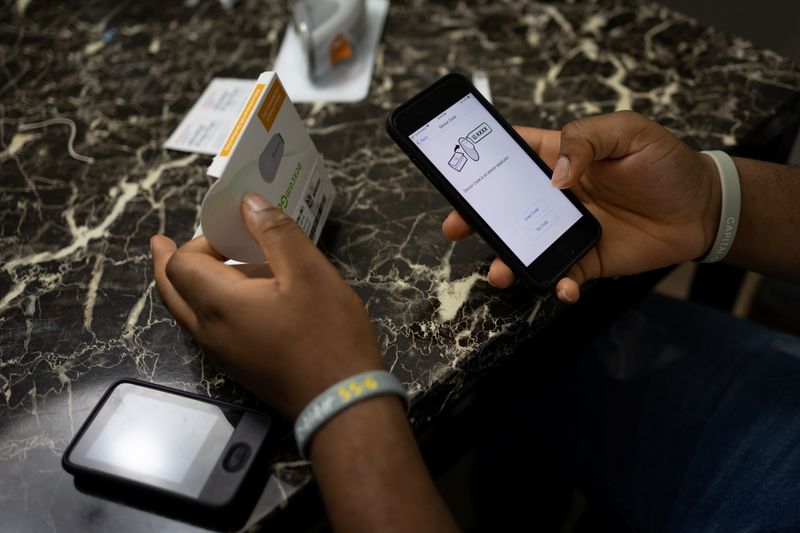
[497, 178]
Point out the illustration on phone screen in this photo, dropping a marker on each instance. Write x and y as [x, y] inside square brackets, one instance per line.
[497, 178]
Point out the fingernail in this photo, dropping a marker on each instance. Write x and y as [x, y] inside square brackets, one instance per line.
[560, 173]
[255, 202]
[563, 296]
[489, 276]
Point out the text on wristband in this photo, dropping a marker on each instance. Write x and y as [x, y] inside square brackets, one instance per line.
[354, 388]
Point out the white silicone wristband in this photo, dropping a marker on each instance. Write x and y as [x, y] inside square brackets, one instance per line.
[340, 396]
[731, 206]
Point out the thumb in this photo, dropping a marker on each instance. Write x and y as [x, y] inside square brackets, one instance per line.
[591, 139]
[283, 242]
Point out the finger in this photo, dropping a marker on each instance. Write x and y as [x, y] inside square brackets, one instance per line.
[568, 290]
[455, 227]
[162, 249]
[201, 245]
[288, 250]
[589, 267]
[533, 136]
[500, 275]
[255, 270]
[592, 139]
[204, 282]
[546, 143]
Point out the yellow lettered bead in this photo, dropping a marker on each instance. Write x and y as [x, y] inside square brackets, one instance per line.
[370, 383]
[343, 394]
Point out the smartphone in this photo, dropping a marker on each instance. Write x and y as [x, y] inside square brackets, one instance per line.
[169, 444]
[494, 180]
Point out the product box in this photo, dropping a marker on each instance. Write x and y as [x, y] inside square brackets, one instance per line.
[269, 152]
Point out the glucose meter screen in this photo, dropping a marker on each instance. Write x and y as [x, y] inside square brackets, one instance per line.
[159, 438]
[497, 178]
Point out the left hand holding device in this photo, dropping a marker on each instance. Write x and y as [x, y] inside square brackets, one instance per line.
[287, 337]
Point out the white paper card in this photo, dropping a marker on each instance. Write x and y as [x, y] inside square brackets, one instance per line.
[349, 82]
[206, 126]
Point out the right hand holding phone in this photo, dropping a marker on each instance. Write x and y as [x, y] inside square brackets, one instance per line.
[657, 200]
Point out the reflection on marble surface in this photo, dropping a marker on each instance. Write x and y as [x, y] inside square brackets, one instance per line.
[90, 91]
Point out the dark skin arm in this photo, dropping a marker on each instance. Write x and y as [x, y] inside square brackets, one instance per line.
[372, 475]
[658, 202]
[768, 237]
[288, 335]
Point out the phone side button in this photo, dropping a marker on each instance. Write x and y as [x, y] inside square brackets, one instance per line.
[236, 457]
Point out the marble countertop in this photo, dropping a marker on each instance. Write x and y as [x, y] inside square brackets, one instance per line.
[90, 91]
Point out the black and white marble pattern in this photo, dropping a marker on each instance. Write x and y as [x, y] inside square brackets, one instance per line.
[90, 90]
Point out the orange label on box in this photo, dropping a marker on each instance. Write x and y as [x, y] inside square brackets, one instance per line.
[237, 128]
[272, 104]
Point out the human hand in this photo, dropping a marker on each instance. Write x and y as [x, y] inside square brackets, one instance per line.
[286, 337]
[657, 200]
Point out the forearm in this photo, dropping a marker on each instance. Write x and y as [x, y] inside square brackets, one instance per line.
[768, 237]
[371, 474]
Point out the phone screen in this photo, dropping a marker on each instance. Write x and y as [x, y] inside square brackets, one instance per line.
[161, 439]
[497, 178]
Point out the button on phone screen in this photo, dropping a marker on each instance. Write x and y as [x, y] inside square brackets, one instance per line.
[498, 179]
